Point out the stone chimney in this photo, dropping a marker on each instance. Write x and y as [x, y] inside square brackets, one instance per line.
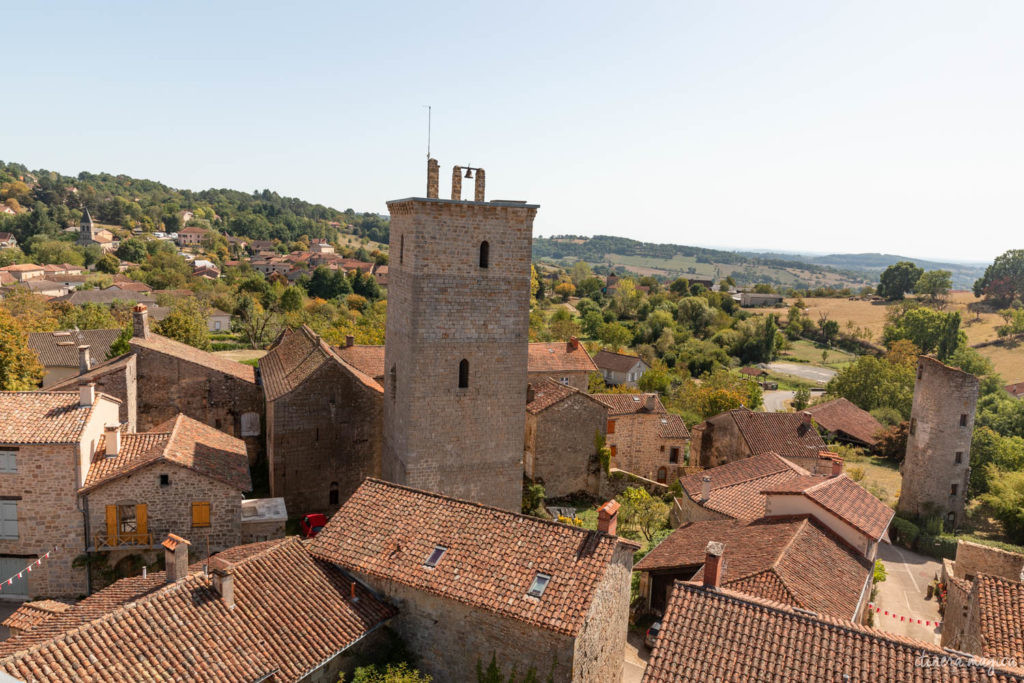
[176, 558]
[806, 418]
[112, 439]
[713, 564]
[574, 343]
[478, 186]
[140, 321]
[433, 178]
[349, 340]
[457, 183]
[530, 394]
[84, 362]
[837, 466]
[87, 394]
[705, 488]
[650, 402]
[223, 579]
[608, 517]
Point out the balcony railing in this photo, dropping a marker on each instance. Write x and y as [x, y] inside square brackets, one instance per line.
[122, 539]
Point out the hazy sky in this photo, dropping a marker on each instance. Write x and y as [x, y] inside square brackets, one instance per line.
[811, 126]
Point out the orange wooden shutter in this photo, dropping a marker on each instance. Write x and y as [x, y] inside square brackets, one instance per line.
[111, 521]
[611, 426]
[200, 514]
[141, 519]
[612, 449]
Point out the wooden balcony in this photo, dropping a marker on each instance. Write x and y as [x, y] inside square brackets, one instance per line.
[132, 539]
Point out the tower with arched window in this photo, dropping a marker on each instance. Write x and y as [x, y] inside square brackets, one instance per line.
[456, 346]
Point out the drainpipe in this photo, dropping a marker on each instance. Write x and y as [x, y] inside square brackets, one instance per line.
[88, 555]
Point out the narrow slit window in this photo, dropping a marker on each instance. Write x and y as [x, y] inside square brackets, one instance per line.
[959, 458]
[540, 582]
[963, 419]
[485, 254]
[394, 382]
[435, 556]
[463, 374]
[332, 495]
[401, 250]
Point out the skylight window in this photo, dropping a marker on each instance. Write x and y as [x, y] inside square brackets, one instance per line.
[435, 556]
[540, 582]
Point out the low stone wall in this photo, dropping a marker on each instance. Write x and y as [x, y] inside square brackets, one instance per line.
[617, 481]
[973, 559]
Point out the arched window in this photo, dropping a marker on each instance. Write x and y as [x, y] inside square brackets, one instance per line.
[333, 495]
[393, 380]
[485, 254]
[401, 250]
[463, 373]
[662, 475]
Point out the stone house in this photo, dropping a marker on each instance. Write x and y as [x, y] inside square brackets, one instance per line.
[777, 558]
[47, 441]
[182, 477]
[618, 368]
[565, 362]
[262, 612]
[561, 424]
[472, 581]
[741, 433]
[323, 423]
[643, 437]
[218, 321]
[321, 246]
[62, 355]
[263, 519]
[757, 299]
[22, 272]
[8, 240]
[190, 237]
[984, 601]
[843, 421]
[116, 377]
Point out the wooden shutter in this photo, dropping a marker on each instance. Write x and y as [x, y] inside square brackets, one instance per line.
[612, 449]
[200, 513]
[141, 519]
[611, 426]
[111, 522]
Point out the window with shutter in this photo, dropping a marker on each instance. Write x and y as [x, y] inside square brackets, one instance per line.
[611, 426]
[200, 514]
[8, 460]
[8, 519]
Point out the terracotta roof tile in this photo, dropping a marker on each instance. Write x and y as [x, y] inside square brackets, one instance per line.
[388, 531]
[170, 347]
[295, 356]
[727, 636]
[43, 416]
[672, 427]
[616, 362]
[843, 417]
[782, 433]
[60, 349]
[630, 404]
[843, 497]
[1001, 606]
[31, 614]
[559, 357]
[736, 486]
[292, 613]
[548, 392]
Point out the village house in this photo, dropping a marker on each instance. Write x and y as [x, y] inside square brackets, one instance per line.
[218, 321]
[843, 421]
[565, 362]
[61, 354]
[757, 299]
[741, 433]
[263, 519]
[1015, 390]
[380, 273]
[534, 594]
[323, 423]
[117, 377]
[41, 287]
[190, 237]
[321, 246]
[259, 612]
[618, 368]
[22, 272]
[562, 423]
[8, 240]
[643, 437]
[794, 560]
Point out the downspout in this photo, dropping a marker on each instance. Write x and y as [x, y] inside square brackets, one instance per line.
[88, 555]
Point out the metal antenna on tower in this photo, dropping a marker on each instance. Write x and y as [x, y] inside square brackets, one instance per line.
[429, 112]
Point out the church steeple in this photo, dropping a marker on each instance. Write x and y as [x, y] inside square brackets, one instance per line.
[87, 231]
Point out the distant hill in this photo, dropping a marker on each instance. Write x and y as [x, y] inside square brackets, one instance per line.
[964, 274]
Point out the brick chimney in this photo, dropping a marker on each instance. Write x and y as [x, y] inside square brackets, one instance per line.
[806, 418]
[87, 394]
[112, 439]
[651, 402]
[705, 488]
[608, 517]
[574, 343]
[433, 178]
[176, 558]
[837, 466]
[349, 340]
[84, 362]
[713, 564]
[223, 579]
[140, 321]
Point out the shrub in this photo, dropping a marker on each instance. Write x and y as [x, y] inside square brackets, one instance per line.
[856, 473]
[906, 532]
[880, 574]
[533, 497]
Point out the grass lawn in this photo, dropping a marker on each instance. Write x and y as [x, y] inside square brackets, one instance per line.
[791, 382]
[589, 518]
[806, 351]
[241, 355]
[881, 476]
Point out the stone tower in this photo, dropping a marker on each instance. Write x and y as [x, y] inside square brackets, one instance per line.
[937, 465]
[87, 229]
[456, 344]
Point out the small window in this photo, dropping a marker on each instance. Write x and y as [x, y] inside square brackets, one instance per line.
[9, 460]
[435, 556]
[8, 519]
[564, 381]
[963, 420]
[463, 374]
[673, 455]
[393, 380]
[920, 371]
[485, 254]
[401, 250]
[200, 514]
[216, 325]
[127, 521]
[662, 475]
[540, 582]
[611, 426]
[913, 425]
[165, 480]
[953, 489]
[333, 496]
[959, 458]
[217, 424]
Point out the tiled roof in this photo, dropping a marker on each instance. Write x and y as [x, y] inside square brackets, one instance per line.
[793, 560]
[368, 359]
[43, 416]
[31, 614]
[170, 347]
[672, 427]
[559, 357]
[295, 356]
[388, 531]
[182, 441]
[1001, 606]
[842, 416]
[22, 268]
[1015, 390]
[721, 635]
[116, 364]
[843, 497]
[616, 362]
[782, 433]
[60, 349]
[629, 404]
[736, 486]
[106, 296]
[292, 613]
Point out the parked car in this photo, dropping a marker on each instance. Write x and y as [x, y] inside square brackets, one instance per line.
[312, 524]
[652, 634]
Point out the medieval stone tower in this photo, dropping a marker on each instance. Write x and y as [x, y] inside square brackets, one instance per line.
[937, 465]
[456, 344]
[87, 229]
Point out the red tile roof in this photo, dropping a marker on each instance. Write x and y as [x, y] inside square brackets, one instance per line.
[1001, 606]
[388, 531]
[672, 427]
[723, 635]
[1015, 390]
[548, 392]
[31, 614]
[181, 441]
[630, 404]
[295, 356]
[843, 497]
[793, 560]
[843, 417]
[616, 362]
[368, 359]
[191, 354]
[44, 416]
[292, 613]
[60, 348]
[736, 486]
[559, 357]
[782, 433]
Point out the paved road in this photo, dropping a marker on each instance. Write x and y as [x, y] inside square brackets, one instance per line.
[903, 593]
[804, 371]
[775, 400]
[636, 658]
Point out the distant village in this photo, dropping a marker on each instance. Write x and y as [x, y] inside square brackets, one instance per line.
[471, 502]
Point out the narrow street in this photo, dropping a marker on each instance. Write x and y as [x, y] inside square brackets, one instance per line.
[903, 593]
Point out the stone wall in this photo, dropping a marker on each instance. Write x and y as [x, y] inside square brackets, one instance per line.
[443, 308]
[640, 449]
[941, 426]
[718, 441]
[324, 433]
[685, 510]
[601, 643]
[560, 445]
[973, 559]
[954, 618]
[617, 481]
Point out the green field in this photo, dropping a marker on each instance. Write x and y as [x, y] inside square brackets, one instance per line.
[805, 351]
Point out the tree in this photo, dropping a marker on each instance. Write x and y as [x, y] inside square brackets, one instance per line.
[291, 300]
[187, 323]
[1006, 501]
[20, 369]
[254, 322]
[121, 345]
[934, 284]
[871, 383]
[108, 264]
[642, 512]
[801, 398]
[133, 250]
[614, 335]
[898, 279]
[930, 331]
[565, 290]
[328, 284]
[1004, 453]
[388, 673]
[1003, 281]
[579, 272]
[892, 441]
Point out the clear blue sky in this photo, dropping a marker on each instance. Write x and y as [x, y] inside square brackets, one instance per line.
[813, 126]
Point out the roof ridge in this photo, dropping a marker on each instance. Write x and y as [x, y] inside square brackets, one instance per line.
[826, 480]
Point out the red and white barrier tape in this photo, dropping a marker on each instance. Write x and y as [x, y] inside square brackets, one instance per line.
[28, 569]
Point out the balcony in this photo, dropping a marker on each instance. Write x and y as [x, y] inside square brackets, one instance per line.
[125, 539]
